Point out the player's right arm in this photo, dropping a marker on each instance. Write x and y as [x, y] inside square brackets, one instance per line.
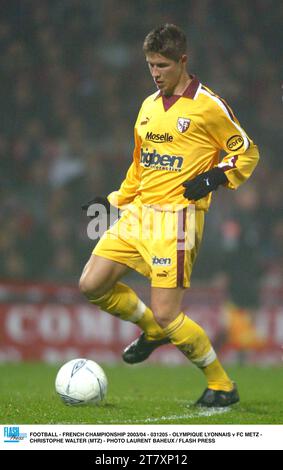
[129, 188]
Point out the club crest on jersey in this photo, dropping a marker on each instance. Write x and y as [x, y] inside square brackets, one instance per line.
[183, 124]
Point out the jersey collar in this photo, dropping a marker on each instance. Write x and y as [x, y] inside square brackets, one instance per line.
[189, 92]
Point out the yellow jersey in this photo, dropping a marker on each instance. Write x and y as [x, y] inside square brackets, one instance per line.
[178, 138]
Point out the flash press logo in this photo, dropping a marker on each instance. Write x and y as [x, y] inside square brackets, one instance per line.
[13, 434]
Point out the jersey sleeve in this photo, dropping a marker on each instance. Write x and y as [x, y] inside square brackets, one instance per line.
[129, 188]
[226, 134]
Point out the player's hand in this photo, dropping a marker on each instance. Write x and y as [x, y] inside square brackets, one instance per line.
[203, 184]
[97, 200]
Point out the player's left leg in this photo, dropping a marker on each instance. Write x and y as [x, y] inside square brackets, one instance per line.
[194, 343]
[167, 305]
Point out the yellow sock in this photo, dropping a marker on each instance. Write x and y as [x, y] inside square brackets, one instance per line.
[149, 325]
[216, 377]
[194, 343]
[121, 301]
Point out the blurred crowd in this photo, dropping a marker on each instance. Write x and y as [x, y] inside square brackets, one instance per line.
[73, 76]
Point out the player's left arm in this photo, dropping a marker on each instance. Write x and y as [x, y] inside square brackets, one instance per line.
[242, 154]
[225, 133]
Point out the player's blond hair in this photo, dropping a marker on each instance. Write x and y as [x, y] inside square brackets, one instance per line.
[168, 40]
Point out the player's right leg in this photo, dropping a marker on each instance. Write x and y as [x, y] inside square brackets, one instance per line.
[99, 282]
[100, 275]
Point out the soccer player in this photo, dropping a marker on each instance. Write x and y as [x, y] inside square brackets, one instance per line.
[179, 134]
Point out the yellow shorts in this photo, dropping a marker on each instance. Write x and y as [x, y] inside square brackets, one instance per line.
[160, 245]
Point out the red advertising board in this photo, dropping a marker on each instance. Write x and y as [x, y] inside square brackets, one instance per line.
[53, 324]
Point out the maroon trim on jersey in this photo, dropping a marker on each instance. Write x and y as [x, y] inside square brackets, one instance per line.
[233, 163]
[191, 89]
[189, 92]
[169, 101]
[182, 215]
[229, 111]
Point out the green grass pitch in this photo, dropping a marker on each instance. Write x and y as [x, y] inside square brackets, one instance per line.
[143, 394]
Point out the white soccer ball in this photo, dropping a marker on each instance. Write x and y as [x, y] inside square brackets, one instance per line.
[81, 381]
